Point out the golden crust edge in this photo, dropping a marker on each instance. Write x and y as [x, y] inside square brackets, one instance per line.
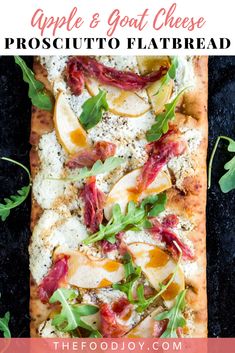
[195, 106]
[41, 123]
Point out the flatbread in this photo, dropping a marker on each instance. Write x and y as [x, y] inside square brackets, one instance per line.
[190, 202]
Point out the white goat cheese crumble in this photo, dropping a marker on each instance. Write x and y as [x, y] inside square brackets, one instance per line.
[185, 76]
[53, 229]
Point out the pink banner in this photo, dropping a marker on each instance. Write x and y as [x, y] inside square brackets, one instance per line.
[88, 345]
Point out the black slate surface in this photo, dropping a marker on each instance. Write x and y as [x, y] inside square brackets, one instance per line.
[14, 232]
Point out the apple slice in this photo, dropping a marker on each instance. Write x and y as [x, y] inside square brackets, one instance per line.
[159, 95]
[92, 272]
[125, 190]
[124, 103]
[158, 267]
[69, 131]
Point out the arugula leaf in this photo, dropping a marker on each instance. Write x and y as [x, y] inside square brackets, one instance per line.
[98, 168]
[175, 317]
[132, 274]
[128, 265]
[14, 200]
[136, 217]
[162, 120]
[157, 202]
[71, 315]
[4, 325]
[227, 181]
[171, 73]
[37, 92]
[92, 110]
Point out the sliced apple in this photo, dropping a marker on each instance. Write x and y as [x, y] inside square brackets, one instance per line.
[145, 329]
[158, 267]
[124, 103]
[125, 190]
[69, 131]
[91, 272]
[159, 95]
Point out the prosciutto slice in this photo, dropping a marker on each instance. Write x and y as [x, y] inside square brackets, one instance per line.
[160, 152]
[170, 221]
[51, 281]
[159, 328]
[101, 151]
[119, 245]
[166, 235]
[94, 204]
[113, 317]
[80, 67]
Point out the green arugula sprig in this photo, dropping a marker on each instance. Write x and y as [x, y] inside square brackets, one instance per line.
[4, 325]
[136, 218]
[170, 75]
[14, 200]
[37, 92]
[71, 315]
[227, 181]
[155, 204]
[98, 168]
[162, 120]
[92, 110]
[175, 317]
[132, 274]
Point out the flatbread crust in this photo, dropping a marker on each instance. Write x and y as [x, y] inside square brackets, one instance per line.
[191, 202]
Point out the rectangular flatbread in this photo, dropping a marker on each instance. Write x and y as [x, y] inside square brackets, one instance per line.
[66, 212]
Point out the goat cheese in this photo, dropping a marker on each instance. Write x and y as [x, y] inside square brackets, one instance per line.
[53, 229]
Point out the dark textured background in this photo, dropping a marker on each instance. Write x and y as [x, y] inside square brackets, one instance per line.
[14, 232]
